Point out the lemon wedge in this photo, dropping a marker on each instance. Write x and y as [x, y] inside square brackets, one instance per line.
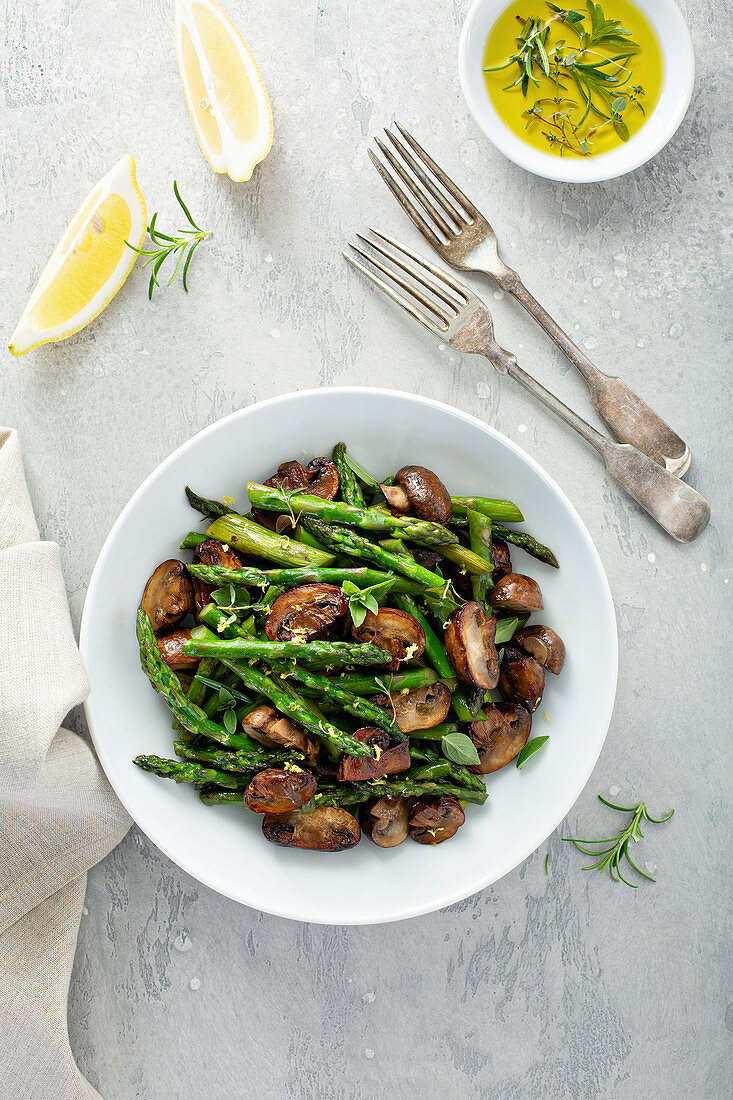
[89, 264]
[225, 94]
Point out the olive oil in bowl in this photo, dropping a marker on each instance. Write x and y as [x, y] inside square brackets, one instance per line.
[575, 82]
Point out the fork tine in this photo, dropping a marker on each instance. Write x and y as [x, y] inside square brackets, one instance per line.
[399, 299]
[407, 205]
[410, 185]
[414, 291]
[409, 269]
[440, 175]
[443, 202]
[455, 284]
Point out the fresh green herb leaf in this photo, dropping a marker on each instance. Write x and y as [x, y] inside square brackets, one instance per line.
[179, 247]
[230, 721]
[459, 748]
[362, 600]
[357, 468]
[610, 858]
[547, 864]
[530, 749]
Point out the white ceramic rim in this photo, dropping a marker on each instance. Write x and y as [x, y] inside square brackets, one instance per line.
[158, 836]
[674, 98]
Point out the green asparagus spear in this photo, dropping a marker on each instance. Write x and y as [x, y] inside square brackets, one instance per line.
[528, 543]
[434, 648]
[468, 561]
[250, 538]
[349, 793]
[192, 540]
[238, 761]
[336, 511]
[343, 541]
[438, 769]
[494, 509]
[350, 488]
[287, 578]
[334, 739]
[211, 795]
[167, 684]
[436, 733]
[360, 708]
[457, 772]
[185, 772]
[203, 643]
[212, 508]
[479, 529]
[360, 684]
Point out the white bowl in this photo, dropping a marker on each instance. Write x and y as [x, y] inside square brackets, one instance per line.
[678, 78]
[223, 847]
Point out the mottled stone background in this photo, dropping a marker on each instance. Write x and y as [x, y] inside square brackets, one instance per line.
[540, 987]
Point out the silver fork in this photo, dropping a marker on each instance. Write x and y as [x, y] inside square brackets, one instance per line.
[462, 236]
[457, 316]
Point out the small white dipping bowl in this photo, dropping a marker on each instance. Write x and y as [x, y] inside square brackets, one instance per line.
[678, 78]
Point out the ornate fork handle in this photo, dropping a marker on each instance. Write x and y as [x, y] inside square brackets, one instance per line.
[621, 409]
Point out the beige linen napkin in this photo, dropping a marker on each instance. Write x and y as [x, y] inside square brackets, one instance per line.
[58, 815]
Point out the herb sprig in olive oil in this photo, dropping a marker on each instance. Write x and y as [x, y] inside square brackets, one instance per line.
[580, 88]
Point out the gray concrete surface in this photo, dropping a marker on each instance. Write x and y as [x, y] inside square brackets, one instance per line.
[541, 987]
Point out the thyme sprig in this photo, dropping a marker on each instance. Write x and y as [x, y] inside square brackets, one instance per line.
[184, 245]
[600, 79]
[610, 858]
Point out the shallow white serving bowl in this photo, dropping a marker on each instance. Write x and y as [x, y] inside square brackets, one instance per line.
[678, 78]
[223, 846]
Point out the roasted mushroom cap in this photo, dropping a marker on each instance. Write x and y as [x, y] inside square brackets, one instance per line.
[469, 640]
[385, 820]
[434, 820]
[211, 552]
[417, 709]
[356, 769]
[500, 736]
[522, 679]
[515, 592]
[325, 829]
[265, 725]
[322, 477]
[306, 612]
[420, 491]
[542, 643]
[168, 595]
[171, 650]
[501, 559]
[276, 791]
[394, 631]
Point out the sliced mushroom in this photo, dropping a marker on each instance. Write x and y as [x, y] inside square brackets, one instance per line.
[168, 595]
[265, 725]
[501, 559]
[385, 820]
[499, 737]
[325, 829]
[306, 612]
[276, 791]
[388, 761]
[542, 643]
[322, 477]
[394, 631]
[417, 709]
[211, 552]
[434, 820]
[515, 592]
[171, 650]
[420, 491]
[522, 679]
[469, 640]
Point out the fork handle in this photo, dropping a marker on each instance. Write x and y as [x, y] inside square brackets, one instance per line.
[676, 507]
[628, 418]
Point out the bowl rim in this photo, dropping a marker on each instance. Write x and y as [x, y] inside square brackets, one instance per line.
[592, 170]
[158, 835]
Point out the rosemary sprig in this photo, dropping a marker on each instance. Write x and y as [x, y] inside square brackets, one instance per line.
[183, 245]
[610, 858]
